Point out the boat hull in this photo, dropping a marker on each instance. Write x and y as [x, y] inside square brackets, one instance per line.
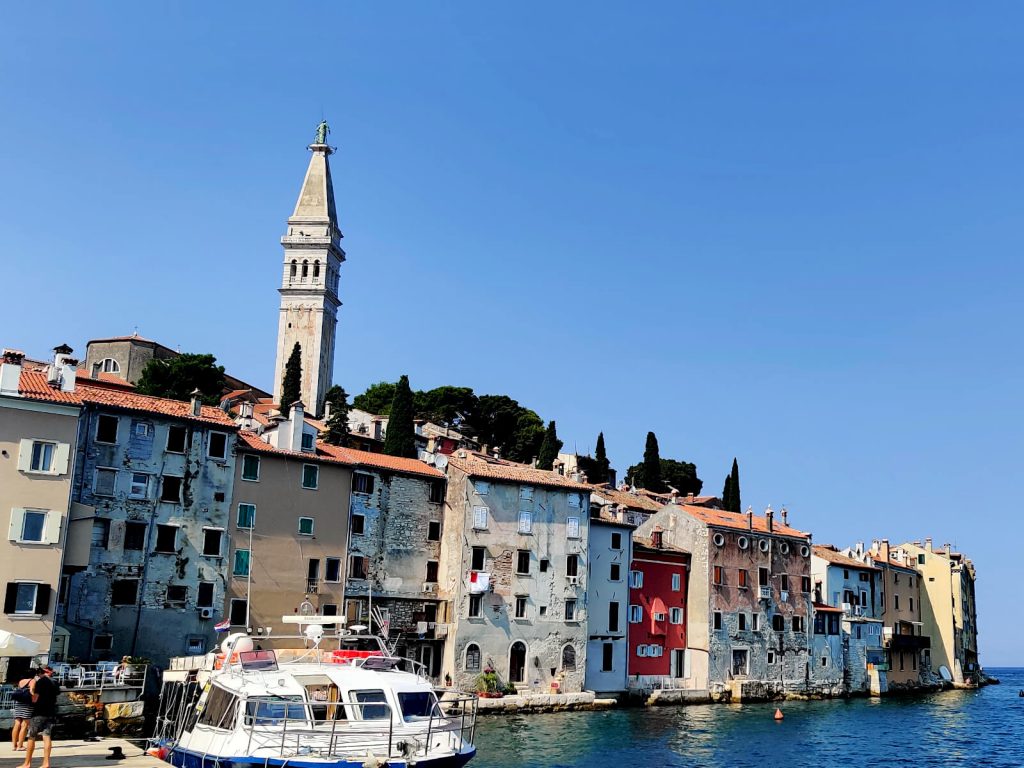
[183, 758]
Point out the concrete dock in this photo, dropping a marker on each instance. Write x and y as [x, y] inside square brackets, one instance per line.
[75, 753]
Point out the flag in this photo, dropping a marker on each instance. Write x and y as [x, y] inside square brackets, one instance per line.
[223, 626]
[479, 582]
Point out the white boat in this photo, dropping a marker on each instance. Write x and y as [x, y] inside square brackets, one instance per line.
[329, 702]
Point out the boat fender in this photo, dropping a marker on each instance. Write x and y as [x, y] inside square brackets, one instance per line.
[372, 761]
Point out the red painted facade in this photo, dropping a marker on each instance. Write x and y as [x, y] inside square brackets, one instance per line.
[659, 636]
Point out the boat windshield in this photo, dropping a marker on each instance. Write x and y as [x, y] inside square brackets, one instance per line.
[274, 710]
[418, 705]
[370, 709]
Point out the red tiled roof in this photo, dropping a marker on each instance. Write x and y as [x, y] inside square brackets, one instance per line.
[33, 385]
[108, 379]
[831, 555]
[133, 337]
[822, 608]
[381, 461]
[626, 499]
[719, 518]
[893, 564]
[477, 465]
[251, 441]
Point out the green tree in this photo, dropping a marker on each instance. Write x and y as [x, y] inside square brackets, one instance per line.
[337, 425]
[650, 472]
[446, 405]
[735, 504]
[549, 447]
[727, 493]
[376, 399]
[291, 383]
[178, 377]
[680, 475]
[603, 465]
[400, 439]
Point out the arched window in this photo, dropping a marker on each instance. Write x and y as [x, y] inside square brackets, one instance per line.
[305, 270]
[294, 269]
[472, 658]
[110, 365]
[316, 269]
[568, 659]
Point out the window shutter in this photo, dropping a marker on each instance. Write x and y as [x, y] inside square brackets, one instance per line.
[17, 521]
[25, 456]
[43, 599]
[11, 597]
[572, 527]
[525, 521]
[60, 458]
[51, 529]
[479, 517]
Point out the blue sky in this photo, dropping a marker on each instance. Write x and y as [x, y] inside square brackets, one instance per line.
[788, 233]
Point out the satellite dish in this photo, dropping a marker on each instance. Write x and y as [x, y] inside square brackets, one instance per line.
[440, 461]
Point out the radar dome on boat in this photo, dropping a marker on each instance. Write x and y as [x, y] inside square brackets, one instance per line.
[242, 643]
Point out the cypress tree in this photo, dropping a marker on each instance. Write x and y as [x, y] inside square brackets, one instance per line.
[651, 473]
[337, 424]
[400, 439]
[727, 494]
[734, 484]
[291, 384]
[549, 447]
[601, 458]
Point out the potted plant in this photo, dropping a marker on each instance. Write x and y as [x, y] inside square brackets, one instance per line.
[488, 685]
[136, 665]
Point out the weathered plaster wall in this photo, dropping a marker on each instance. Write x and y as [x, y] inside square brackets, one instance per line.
[602, 590]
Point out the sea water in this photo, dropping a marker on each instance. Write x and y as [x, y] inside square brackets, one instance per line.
[978, 728]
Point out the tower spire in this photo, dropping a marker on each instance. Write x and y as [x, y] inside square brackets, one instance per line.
[309, 284]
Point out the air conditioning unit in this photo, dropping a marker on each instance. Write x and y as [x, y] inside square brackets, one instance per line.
[429, 586]
[206, 613]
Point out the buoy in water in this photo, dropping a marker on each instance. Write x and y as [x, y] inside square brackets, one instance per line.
[778, 714]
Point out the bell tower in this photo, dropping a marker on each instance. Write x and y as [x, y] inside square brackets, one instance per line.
[309, 281]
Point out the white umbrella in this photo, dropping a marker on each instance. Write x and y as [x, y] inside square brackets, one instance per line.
[16, 645]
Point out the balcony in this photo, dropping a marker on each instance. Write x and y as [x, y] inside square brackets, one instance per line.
[765, 593]
[312, 586]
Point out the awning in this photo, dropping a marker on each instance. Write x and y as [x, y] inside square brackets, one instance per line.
[16, 645]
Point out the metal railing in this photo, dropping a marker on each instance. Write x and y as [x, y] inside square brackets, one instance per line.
[100, 676]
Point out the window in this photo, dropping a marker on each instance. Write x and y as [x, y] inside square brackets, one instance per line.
[616, 541]
[523, 562]
[572, 527]
[717, 620]
[105, 482]
[42, 456]
[819, 623]
[140, 486]
[124, 592]
[911, 605]
[896, 602]
[481, 487]
[434, 530]
[437, 492]
[719, 575]
[358, 524]
[474, 606]
[109, 365]
[568, 659]
[525, 521]
[755, 622]
[308, 442]
[798, 623]
[142, 429]
[134, 535]
[204, 598]
[250, 467]
[477, 558]
[362, 483]
[33, 525]
[526, 493]
[246, 517]
[615, 572]
[739, 661]
[762, 577]
[310, 476]
[212, 541]
[166, 538]
[102, 642]
[910, 581]
[27, 598]
[675, 616]
[636, 614]
[333, 570]
[472, 662]
[572, 566]
[542, 610]
[784, 582]
[805, 584]
[641, 650]
[863, 576]
[778, 623]
[846, 573]
[432, 571]
[636, 579]
[771, 656]
[743, 578]
[306, 526]
[176, 594]
[240, 563]
[239, 612]
[106, 429]
[170, 489]
[100, 534]
[520, 607]
[613, 617]
[607, 656]
[570, 610]
[218, 447]
[480, 518]
[544, 565]
[357, 567]
[176, 439]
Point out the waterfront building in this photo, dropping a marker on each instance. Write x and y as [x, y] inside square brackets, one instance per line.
[748, 603]
[309, 281]
[514, 567]
[828, 665]
[948, 610]
[152, 488]
[38, 429]
[658, 580]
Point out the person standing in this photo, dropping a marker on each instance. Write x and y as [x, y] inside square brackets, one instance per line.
[44, 713]
[22, 713]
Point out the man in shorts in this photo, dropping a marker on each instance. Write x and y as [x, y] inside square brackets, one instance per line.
[44, 713]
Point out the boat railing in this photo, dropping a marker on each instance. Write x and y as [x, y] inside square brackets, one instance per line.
[343, 729]
[100, 676]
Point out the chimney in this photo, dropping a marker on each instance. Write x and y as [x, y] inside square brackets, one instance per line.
[196, 402]
[327, 411]
[485, 449]
[928, 544]
[884, 550]
[296, 421]
[533, 462]
[768, 514]
[10, 372]
[750, 518]
[675, 496]
[497, 451]
[949, 549]
[785, 516]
